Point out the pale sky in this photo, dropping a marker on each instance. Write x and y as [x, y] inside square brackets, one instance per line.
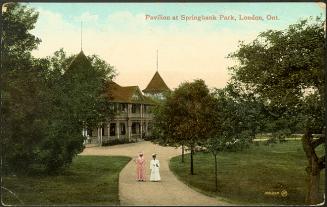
[120, 34]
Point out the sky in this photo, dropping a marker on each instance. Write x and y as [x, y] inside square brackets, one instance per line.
[121, 34]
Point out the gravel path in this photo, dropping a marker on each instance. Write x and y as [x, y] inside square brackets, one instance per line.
[170, 191]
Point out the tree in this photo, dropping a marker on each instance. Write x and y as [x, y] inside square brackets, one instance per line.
[77, 88]
[216, 145]
[161, 127]
[184, 116]
[21, 81]
[284, 68]
[45, 102]
[235, 116]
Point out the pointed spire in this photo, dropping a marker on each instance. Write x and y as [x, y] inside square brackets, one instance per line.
[157, 60]
[81, 36]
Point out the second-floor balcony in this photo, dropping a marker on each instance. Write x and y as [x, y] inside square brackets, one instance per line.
[132, 110]
[133, 115]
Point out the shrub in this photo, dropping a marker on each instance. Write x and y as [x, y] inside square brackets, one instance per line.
[117, 141]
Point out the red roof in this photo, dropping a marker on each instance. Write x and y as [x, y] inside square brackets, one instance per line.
[156, 85]
[124, 94]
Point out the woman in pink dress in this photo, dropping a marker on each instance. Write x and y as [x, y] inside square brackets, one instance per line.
[140, 167]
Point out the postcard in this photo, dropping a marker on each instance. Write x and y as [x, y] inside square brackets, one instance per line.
[157, 103]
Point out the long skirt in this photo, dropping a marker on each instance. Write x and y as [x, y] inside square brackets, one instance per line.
[140, 173]
[155, 174]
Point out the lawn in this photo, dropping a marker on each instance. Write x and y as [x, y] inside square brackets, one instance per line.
[90, 180]
[257, 175]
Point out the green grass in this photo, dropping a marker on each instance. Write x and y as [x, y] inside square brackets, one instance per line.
[90, 180]
[244, 177]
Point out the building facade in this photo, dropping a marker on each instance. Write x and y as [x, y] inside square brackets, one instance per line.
[133, 112]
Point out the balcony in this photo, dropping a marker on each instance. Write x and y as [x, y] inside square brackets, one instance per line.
[122, 114]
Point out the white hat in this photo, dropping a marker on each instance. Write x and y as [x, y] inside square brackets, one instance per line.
[154, 154]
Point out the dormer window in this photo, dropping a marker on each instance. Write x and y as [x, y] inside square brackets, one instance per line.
[135, 97]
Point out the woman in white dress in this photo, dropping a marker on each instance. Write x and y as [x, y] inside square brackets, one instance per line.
[154, 167]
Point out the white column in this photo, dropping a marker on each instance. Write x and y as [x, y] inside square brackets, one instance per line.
[129, 130]
[129, 109]
[117, 129]
[141, 122]
[108, 129]
[84, 142]
[129, 122]
[101, 134]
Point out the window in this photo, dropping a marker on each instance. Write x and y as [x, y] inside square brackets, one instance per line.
[89, 132]
[113, 107]
[135, 108]
[112, 129]
[135, 128]
[123, 107]
[122, 128]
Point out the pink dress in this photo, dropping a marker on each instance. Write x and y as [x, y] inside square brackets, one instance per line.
[140, 168]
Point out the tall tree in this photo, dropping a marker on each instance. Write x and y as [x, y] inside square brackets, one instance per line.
[284, 68]
[20, 83]
[185, 116]
[77, 87]
[45, 102]
[161, 126]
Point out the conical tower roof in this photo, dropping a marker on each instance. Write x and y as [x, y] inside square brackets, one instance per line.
[79, 66]
[156, 85]
[79, 60]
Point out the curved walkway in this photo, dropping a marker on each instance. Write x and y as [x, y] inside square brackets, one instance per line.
[170, 191]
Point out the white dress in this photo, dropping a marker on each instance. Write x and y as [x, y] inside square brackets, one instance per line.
[154, 167]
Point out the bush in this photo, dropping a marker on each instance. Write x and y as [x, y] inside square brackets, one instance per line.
[117, 141]
[149, 138]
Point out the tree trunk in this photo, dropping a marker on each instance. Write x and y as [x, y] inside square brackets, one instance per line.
[192, 170]
[313, 195]
[182, 153]
[216, 172]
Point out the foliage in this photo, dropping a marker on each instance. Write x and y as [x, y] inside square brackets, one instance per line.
[22, 111]
[237, 118]
[48, 101]
[283, 67]
[117, 141]
[286, 68]
[184, 117]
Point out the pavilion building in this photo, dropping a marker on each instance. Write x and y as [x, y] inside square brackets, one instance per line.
[133, 109]
[133, 112]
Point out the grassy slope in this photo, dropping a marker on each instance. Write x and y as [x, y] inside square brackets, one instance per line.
[89, 180]
[244, 177]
